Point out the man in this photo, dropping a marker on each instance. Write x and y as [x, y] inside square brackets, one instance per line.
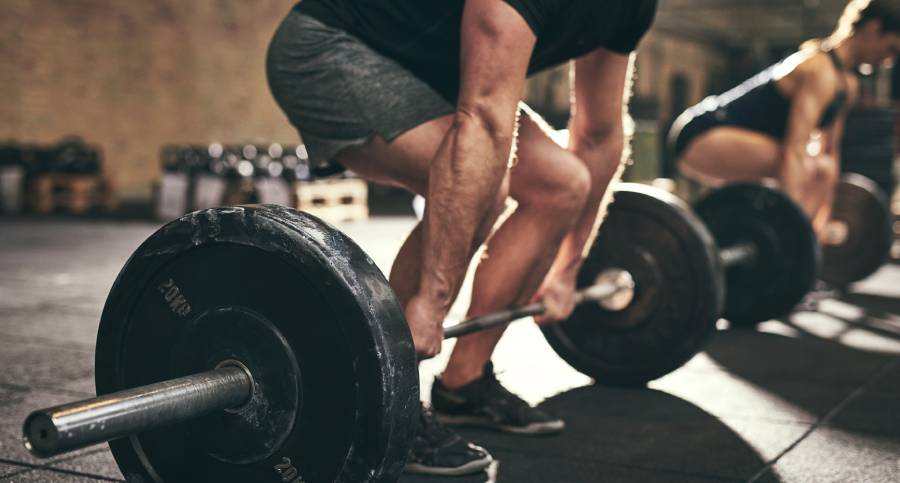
[762, 128]
[425, 95]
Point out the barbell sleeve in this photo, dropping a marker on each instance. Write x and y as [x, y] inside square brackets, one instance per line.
[738, 254]
[60, 429]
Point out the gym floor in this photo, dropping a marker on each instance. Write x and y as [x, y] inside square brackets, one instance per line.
[813, 398]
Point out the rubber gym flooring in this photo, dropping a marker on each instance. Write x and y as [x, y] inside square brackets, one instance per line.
[813, 398]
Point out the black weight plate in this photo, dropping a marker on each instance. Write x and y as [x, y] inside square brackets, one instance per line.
[787, 259]
[239, 337]
[678, 298]
[863, 207]
[325, 299]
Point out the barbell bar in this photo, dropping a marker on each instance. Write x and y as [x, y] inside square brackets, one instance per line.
[861, 230]
[69, 427]
[773, 259]
[613, 291]
[311, 376]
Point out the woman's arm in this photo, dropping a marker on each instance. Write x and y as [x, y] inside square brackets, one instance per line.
[815, 88]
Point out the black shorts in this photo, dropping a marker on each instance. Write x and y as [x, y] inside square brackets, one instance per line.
[338, 92]
[691, 124]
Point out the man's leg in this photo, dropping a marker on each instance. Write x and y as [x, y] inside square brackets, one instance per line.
[551, 186]
[405, 162]
[405, 270]
[729, 154]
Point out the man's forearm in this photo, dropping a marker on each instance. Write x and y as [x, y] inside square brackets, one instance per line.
[605, 161]
[463, 183]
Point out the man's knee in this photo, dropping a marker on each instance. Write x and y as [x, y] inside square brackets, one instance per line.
[564, 191]
[579, 185]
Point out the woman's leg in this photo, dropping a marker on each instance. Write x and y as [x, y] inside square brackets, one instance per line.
[729, 154]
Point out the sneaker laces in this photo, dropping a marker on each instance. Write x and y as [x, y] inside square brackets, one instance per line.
[431, 429]
[491, 385]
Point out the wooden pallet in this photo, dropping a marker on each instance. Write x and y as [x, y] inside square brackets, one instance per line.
[12, 186]
[334, 200]
[69, 192]
[895, 225]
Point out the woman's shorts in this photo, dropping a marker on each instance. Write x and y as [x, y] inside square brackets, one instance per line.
[691, 124]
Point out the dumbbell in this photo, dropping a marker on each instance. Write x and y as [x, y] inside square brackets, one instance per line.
[296, 164]
[273, 167]
[860, 232]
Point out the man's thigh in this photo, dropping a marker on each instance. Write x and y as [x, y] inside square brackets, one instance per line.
[403, 162]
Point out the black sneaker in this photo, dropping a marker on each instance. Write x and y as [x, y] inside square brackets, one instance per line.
[486, 403]
[437, 450]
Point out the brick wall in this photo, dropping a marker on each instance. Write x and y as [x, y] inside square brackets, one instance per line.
[661, 57]
[133, 75]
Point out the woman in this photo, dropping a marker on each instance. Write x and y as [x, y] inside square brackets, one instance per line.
[786, 123]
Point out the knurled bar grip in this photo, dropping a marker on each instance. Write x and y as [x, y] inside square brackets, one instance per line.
[594, 293]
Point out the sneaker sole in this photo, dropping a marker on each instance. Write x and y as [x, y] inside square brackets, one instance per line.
[466, 469]
[550, 427]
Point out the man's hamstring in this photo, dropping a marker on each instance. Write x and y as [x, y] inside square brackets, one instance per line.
[404, 161]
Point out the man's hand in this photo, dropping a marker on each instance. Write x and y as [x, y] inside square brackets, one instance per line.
[557, 293]
[426, 324]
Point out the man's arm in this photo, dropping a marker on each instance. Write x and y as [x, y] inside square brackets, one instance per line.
[597, 136]
[469, 167]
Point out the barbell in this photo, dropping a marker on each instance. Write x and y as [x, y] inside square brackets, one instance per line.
[261, 344]
[786, 255]
[861, 232]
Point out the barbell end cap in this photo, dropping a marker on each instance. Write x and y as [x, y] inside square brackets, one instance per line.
[623, 290]
[40, 436]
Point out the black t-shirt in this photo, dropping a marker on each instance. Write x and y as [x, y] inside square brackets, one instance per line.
[424, 35]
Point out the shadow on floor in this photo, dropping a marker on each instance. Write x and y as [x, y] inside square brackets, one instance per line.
[813, 373]
[877, 306]
[617, 435]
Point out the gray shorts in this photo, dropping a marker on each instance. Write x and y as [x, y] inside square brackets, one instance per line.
[338, 92]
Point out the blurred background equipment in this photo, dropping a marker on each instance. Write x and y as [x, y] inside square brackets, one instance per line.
[66, 176]
[197, 177]
[184, 90]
